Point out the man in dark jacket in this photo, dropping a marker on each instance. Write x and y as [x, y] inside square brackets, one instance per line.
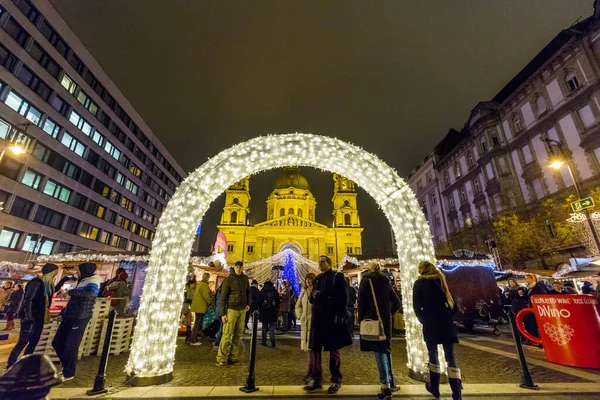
[75, 317]
[233, 304]
[268, 304]
[254, 292]
[329, 329]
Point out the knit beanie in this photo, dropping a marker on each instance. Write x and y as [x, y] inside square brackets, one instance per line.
[48, 267]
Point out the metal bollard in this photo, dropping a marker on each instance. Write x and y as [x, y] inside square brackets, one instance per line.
[526, 380]
[101, 375]
[250, 386]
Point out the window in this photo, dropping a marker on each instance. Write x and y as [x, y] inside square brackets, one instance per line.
[9, 238]
[230, 248]
[429, 177]
[476, 185]
[76, 63]
[38, 53]
[27, 9]
[21, 106]
[281, 212]
[64, 248]
[16, 31]
[251, 249]
[347, 219]
[31, 179]
[483, 146]
[143, 232]
[112, 150]
[329, 249]
[540, 103]
[60, 105]
[88, 231]
[79, 201]
[349, 250]
[101, 188]
[34, 244]
[68, 84]
[587, 117]
[433, 198]
[463, 194]
[21, 207]
[51, 128]
[10, 168]
[72, 225]
[104, 237]
[41, 152]
[572, 81]
[457, 170]
[95, 209]
[300, 212]
[436, 219]
[233, 218]
[33, 82]
[419, 185]
[73, 144]
[48, 217]
[118, 241]
[80, 123]
[127, 204]
[517, 123]
[451, 201]
[86, 178]
[470, 161]
[357, 250]
[85, 101]
[7, 59]
[132, 187]
[446, 178]
[495, 141]
[57, 191]
[137, 172]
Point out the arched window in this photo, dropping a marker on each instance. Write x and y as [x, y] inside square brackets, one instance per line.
[470, 160]
[540, 103]
[233, 218]
[457, 170]
[282, 212]
[300, 212]
[517, 123]
[291, 211]
[347, 219]
[572, 81]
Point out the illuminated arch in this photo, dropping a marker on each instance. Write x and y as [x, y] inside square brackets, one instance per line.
[153, 347]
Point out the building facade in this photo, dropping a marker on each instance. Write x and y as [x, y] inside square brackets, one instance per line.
[500, 159]
[290, 222]
[91, 175]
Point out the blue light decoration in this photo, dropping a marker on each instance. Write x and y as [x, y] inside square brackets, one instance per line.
[289, 273]
[199, 229]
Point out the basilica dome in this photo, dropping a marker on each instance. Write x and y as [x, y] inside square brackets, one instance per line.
[291, 178]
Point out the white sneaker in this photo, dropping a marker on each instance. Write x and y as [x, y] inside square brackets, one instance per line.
[68, 378]
[195, 344]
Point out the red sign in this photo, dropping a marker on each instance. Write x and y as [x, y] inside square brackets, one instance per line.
[569, 327]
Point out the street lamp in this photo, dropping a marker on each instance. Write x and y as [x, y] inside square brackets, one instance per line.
[556, 163]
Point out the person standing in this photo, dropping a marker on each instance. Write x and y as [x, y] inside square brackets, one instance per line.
[35, 306]
[110, 281]
[233, 305]
[377, 301]
[190, 288]
[285, 304]
[329, 329]
[12, 306]
[268, 304]
[304, 313]
[75, 317]
[202, 298]
[433, 305]
[557, 288]
[121, 290]
[254, 292]
[5, 292]
[352, 297]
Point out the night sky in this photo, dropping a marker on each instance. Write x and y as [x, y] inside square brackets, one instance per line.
[390, 76]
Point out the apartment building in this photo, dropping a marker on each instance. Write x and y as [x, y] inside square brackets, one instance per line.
[90, 173]
[500, 159]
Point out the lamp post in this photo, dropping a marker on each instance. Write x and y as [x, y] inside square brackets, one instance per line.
[556, 163]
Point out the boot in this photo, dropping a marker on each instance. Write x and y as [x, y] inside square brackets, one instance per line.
[455, 383]
[433, 386]
[272, 342]
[385, 394]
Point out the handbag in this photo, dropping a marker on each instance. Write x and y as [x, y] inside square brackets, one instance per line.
[372, 329]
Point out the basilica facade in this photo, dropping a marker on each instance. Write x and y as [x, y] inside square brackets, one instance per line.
[290, 222]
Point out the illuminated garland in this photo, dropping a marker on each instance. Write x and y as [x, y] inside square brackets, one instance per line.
[9, 270]
[91, 257]
[583, 230]
[262, 270]
[154, 342]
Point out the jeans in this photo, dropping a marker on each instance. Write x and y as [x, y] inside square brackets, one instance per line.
[197, 327]
[29, 336]
[448, 352]
[383, 366]
[335, 363]
[232, 334]
[66, 343]
[219, 334]
[270, 327]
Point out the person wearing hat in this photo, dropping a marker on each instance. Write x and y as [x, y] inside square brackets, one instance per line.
[34, 308]
[75, 317]
[121, 291]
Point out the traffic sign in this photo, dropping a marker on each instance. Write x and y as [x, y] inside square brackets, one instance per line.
[582, 204]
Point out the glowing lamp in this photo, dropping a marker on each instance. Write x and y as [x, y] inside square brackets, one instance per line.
[556, 164]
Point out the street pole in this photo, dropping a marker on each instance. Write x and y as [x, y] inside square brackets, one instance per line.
[526, 380]
[586, 211]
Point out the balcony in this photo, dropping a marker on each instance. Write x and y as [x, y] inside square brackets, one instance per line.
[531, 171]
[492, 187]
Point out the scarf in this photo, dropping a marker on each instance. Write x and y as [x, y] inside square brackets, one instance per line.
[431, 272]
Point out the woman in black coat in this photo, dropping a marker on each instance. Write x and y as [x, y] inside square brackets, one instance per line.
[433, 305]
[388, 304]
[268, 306]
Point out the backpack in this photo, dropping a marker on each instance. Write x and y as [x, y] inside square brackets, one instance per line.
[270, 301]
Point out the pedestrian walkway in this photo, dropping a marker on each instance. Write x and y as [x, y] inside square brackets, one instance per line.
[508, 391]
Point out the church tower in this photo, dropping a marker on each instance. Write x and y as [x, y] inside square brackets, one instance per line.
[237, 201]
[345, 211]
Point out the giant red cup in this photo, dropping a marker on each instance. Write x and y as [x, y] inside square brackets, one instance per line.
[569, 327]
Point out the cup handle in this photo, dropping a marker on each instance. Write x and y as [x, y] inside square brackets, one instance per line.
[521, 326]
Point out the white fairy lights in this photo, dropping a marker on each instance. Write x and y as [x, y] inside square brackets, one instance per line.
[261, 270]
[153, 347]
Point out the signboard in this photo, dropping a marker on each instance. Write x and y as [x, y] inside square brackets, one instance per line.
[582, 204]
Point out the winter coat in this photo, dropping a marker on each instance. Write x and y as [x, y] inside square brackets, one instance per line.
[268, 303]
[518, 303]
[304, 314]
[4, 295]
[429, 303]
[202, 298]
[82, 299]
[286, 301]
[254, 292]
[538, 288]
[388, 304]
[352, 296]
[33, 305]
[122, 290]
[235, 293]
[14, 301]
[329, 297]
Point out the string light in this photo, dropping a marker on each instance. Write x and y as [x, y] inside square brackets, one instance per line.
[583, 231]
[153, 347]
